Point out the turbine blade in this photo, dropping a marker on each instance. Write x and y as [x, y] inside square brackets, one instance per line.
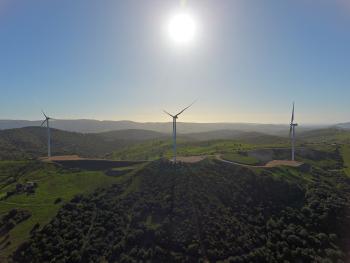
[44, 114]
[290, 131]
[43, 123]
[168, 113]
[292, 114]
[186, 108]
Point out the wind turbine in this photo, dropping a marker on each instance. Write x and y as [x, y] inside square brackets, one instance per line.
[47, 120]
[292, 133]
[174, 127]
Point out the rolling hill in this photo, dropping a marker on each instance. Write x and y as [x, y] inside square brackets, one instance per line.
[31, 142]
[95, 126]
[330, 135]
[212, 211]
[133, 135]
[345, 125]
[207, 212]
[54, 185]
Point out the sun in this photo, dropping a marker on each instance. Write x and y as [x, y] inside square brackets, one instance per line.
[182, 28]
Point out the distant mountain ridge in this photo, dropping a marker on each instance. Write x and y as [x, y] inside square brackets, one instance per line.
[244, 136]
[32, 142]
[345, 125]
[95, 126]
[332, 134]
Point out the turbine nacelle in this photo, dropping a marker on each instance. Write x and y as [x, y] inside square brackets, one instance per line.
[47, 118]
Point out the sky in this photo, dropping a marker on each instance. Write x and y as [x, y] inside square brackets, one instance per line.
[113, 60]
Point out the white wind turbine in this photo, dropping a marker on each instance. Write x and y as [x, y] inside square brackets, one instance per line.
[292, 133]
[47, 120]
[174, 127]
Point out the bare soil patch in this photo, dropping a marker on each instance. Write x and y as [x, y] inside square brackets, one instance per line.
[270, 164]
[275, 163]
[74, 161]
[61, 158]
[190, 159]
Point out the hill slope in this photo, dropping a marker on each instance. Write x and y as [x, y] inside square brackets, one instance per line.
[330, 135]
[251, 137]
[345, 125]
[32, 142]
[133, 135]
[95, 126]
[54, 186]
[209, 212]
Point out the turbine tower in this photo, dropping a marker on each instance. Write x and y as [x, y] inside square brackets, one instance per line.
[47, 120]
[292, 133]
[174, 127]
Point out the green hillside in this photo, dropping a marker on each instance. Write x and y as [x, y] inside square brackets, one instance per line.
[155, 149]
[244, 136]
[132, 135]
[330, 135]
[245, 151]
[346, 157]
[55, 187]
[209, 211]
[31, 142]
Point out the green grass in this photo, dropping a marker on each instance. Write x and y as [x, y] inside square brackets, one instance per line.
[52, 183]
[10, 169]
[156, 149]
[292, 174]
[150, 150]
[327, 136]
[239, 158]
[151, 224]
[323, 164]
[346, 158]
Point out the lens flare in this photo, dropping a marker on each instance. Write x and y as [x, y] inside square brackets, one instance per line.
[182, 28]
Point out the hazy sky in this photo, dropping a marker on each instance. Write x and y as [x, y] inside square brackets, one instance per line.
[113, 60]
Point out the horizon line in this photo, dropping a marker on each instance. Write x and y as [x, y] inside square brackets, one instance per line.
[150, 122]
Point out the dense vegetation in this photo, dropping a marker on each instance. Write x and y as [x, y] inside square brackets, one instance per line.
[54, 187]
[345, 152]
[11, 219]
[207, 211]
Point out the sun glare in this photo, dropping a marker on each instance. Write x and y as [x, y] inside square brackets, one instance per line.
[182, 28]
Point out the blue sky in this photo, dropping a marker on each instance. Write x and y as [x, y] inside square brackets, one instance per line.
[112, 60]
